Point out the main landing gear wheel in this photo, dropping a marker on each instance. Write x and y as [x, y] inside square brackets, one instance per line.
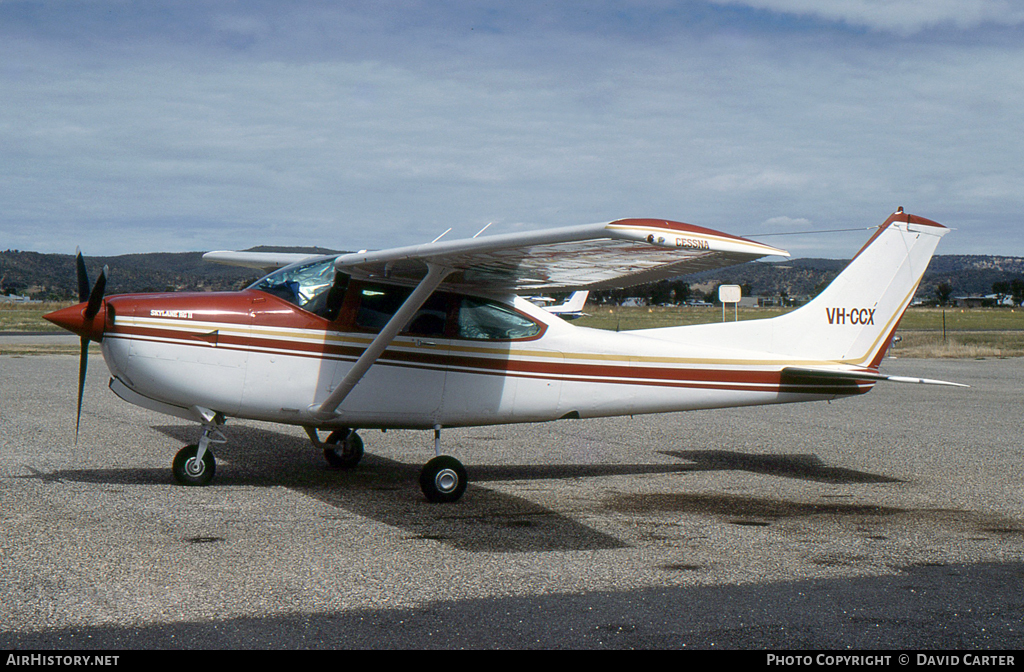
[343, 449]
[443, 479]
[190, 471]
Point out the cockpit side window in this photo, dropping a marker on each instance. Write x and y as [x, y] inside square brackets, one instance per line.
[377, 303]
[313, 286]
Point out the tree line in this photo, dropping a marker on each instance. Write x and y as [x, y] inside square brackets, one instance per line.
[1003, 289]
[663, 292]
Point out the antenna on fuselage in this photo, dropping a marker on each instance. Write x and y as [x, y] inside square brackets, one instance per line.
[483, 229]
[441, 236]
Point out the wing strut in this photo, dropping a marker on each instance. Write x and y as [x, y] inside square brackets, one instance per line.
[435, 275]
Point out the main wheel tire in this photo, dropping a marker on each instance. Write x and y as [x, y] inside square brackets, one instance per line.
[188, 470]
[443, 479]
[345, 449]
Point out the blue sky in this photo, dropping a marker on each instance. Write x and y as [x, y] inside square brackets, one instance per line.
[169, 126]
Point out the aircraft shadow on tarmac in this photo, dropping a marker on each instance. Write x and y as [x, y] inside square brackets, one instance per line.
[387, 491]
[805, 467]
[485, 520]
[959, 607]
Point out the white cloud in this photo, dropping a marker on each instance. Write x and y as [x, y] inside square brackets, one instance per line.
[763, 180]
[784, 222]
[165, 145]
[898, 16]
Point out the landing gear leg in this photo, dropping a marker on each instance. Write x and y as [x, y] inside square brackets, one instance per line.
[195, 464]
[443, 479]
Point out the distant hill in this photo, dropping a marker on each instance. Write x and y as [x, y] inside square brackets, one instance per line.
[795, 277]
[971, 274]
[52, 276]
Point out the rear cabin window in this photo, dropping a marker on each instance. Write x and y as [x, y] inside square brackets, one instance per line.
[474, 318]
[482, 319]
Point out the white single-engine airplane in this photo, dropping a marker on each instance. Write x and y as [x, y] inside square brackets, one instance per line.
[437, 335]
[570, 309]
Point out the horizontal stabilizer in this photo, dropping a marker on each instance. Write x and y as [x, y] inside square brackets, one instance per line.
[829, 375]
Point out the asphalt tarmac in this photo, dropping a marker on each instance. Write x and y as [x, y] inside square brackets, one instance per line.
[889, 521]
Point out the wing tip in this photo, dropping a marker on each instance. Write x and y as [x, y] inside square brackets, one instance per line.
[669, 233]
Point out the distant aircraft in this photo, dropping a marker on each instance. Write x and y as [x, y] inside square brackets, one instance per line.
[569, 309]
[438, 335]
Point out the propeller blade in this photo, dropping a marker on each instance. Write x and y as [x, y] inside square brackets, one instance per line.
[96, 296]
[83, 366]
[93, 299]
[83, 277]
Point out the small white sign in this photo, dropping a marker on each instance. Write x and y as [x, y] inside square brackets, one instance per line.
[729, 293]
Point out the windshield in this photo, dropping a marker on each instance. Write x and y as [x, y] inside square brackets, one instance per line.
[308, 285]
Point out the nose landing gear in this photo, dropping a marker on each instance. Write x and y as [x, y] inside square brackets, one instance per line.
[190, 469]
[195, 464]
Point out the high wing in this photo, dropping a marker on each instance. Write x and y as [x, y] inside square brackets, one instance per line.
[593, 256]
[264, 261]
[621, 253]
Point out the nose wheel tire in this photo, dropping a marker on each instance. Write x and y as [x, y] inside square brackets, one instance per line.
[443, 479]
[343, 449]
[188, 470]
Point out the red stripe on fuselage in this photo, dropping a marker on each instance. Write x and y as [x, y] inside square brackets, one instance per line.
[240, 311]
[684, 377]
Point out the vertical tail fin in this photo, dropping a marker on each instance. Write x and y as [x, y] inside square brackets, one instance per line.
[572, 307]
[854, 319]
